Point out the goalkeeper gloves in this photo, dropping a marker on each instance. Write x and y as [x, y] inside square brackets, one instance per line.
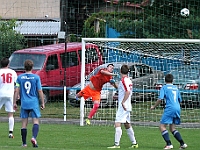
[112, 81]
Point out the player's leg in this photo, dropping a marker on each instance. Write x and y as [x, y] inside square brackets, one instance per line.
[83, 93]
[11, 123]
[121, 117]
[35, 114]
[96, 96]
[10, 110]
[24, 131]
[24, 115]
[118, 134]
[177, 136]
[35, 130]
[130, 132]
[165, 134]
[94, 109]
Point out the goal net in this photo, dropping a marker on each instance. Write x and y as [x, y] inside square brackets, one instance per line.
[149, 60]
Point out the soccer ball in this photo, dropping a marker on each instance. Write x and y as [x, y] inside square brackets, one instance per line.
[185, 12]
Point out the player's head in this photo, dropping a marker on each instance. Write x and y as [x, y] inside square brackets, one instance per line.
[4, 62]
[110, 67]
[124, 69]
[169, 78]
[28, 65]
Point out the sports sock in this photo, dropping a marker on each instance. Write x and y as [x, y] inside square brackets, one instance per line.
[24, 134]
[131, 135]
[178, 137]
[94, 110]
[11, 124]
[35, 130]
[118, 134]
[165, 136]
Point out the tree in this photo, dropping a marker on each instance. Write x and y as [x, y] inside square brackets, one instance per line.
[10, 40]
[160, 19]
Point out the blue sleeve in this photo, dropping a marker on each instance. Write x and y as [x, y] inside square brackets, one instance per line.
[162, 94]
[39, 86]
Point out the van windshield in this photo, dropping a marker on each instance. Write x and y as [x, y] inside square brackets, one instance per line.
[17, 60]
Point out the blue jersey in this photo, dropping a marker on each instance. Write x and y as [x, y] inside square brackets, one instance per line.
[171, 95]
[29, 85]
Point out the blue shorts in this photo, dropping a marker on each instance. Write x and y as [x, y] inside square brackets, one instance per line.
[170, 120]
[33, 113]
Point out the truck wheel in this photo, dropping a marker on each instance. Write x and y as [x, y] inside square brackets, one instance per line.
[46, 96]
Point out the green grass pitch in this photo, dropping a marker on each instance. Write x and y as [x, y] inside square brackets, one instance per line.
[75, 137]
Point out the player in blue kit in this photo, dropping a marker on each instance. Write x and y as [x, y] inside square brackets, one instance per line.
[171, 114]
[28, 85]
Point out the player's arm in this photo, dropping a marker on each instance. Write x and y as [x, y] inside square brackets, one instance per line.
[41, 96]
[40, 93]
[107, 73]
[179, 97]
[156, 104]
[126, 95]
[113, 83]
[160, 98]
[15, 98]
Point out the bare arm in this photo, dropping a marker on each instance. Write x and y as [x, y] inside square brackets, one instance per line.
[115, 85]
[16, 94]
[107, 73]
[41, 95]
[127, 93]
[156, 104]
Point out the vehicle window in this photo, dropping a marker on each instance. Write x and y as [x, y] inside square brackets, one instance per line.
[185, 74]
[147, 70]
[71, 59]
[17, 60]
[139, 69]
[90, 55]
[133, 72]
[144, 70]
[53, 62]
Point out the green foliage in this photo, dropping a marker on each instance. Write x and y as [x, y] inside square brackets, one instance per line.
[10, 40]
[162, 20]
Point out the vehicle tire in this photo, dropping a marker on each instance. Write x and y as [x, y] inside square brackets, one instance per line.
[46, 96]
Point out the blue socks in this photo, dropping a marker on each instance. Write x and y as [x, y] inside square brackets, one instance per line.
[35, 130]
[165, 136]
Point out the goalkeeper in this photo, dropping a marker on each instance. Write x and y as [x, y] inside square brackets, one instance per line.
[93, 89]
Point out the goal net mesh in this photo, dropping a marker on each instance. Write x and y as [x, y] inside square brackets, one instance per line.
[153, 59]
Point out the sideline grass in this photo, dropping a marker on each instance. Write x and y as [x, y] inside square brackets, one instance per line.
[74, 137]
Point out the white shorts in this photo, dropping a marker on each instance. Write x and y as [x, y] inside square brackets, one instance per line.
[123, 116]
[8, 102]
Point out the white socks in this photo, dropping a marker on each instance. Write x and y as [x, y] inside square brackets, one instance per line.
[118, 134]
[11, 123]
[131, 135]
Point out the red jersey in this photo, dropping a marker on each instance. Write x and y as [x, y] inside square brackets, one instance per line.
[100, 79]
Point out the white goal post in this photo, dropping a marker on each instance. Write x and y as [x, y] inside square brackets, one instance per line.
[177, 50]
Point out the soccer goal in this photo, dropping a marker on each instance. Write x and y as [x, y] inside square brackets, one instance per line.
[150, 60]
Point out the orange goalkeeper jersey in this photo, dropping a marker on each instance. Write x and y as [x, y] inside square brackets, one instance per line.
[100, 79]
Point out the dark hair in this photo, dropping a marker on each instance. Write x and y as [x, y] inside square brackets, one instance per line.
[169, 78]
[110, 65]
[28, 65]
[4, 62]
[124, 69]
